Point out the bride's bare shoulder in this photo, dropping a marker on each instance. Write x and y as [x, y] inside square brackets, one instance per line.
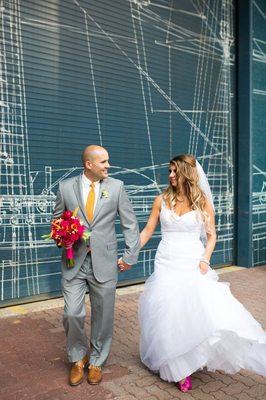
[158, 202]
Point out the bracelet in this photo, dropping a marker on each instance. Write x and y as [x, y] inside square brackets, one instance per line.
[205, 261]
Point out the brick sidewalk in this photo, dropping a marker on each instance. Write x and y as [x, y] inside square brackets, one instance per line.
[33, 363]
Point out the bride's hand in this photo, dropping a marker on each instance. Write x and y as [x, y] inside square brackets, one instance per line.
[203, 267]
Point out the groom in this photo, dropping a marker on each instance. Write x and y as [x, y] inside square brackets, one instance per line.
[99, 199]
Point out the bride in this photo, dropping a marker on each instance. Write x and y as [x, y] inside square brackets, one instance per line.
[188, 319]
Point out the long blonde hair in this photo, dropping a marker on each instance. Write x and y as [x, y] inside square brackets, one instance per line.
[187, 185]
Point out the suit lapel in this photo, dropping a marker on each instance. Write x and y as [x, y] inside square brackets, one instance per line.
[78, 192]
[101, 198]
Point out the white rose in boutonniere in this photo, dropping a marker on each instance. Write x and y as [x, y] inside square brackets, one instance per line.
[104, 194]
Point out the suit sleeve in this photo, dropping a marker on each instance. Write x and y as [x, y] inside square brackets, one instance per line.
[130, 228]
[59, 207]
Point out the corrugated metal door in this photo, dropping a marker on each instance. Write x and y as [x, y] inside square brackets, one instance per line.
[147, 80]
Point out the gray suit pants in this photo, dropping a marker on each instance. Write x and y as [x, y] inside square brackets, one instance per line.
[102, 299]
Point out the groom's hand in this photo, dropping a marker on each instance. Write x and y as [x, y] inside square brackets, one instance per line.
[122, 265]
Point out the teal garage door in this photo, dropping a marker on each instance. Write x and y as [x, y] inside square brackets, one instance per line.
[146, 79]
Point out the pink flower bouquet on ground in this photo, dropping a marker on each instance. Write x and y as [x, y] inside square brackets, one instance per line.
[66, 230]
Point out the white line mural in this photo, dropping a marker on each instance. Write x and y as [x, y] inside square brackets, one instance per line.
[259, 172]
[28, 264]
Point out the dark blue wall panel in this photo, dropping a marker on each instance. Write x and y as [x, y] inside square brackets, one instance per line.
[259, 135]
[146, 79]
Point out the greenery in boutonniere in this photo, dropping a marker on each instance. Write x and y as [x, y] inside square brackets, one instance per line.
[104, 194]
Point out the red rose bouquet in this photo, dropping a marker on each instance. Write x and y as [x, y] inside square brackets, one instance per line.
[66, 230]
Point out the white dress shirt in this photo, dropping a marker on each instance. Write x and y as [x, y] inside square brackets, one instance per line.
[86, 188]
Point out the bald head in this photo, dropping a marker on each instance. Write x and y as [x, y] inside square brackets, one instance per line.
[90, 152]
[95, 160]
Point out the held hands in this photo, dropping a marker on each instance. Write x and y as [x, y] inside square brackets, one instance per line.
[122, 265]
[204, 266]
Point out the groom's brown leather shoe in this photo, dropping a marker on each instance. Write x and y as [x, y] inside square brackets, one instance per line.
[94, 375]
[77, 371]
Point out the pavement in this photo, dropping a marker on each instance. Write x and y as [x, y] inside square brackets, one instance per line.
[34, 366]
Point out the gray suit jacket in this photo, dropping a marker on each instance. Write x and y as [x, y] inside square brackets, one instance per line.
[103, 241]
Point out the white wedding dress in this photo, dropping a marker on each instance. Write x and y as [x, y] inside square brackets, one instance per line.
[189, 320]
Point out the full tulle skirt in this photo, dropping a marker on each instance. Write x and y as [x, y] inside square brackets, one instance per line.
[190, 321]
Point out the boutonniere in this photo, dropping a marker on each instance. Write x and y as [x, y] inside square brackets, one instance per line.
[104, 194]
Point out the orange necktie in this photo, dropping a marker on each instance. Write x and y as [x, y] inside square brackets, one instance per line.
[90, 202]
